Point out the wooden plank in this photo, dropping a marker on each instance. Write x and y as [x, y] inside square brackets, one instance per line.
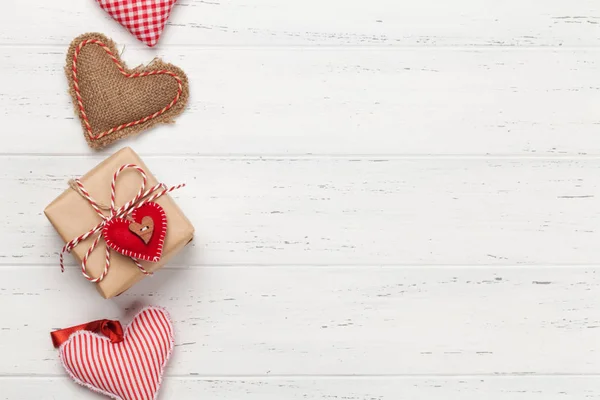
[384, 388]
[340, 101]
[332, 22]
[341, 211]
[255, 321]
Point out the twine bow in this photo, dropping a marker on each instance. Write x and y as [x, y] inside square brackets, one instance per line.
[143, 196]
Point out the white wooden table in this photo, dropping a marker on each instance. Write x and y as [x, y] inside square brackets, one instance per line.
[393, 199]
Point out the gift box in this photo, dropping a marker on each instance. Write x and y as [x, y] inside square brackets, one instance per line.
[73, 215]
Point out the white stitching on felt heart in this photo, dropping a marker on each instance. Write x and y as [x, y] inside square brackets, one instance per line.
[148, 337]
[162, 224]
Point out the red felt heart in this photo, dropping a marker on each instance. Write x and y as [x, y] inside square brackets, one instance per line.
[129, 370]
[145, 19]
[122, 239]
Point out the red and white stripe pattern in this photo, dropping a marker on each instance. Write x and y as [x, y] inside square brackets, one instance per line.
[142, 197]
[84, 117]
[130, 370]
[145, 19]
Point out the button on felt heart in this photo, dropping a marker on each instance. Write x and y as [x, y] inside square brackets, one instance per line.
[140, 237]
[129, 370]
[113, 101]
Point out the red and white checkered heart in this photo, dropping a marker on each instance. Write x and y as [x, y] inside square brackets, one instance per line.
[130, 370]
[145, 19]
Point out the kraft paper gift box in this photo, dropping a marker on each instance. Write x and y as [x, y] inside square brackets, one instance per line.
[72, 215]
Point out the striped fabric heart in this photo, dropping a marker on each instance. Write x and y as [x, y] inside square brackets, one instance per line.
[129, 370]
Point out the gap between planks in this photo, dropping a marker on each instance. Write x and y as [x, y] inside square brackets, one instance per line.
[300, 157]
[333, 376]
[274, 47]
[332, 266]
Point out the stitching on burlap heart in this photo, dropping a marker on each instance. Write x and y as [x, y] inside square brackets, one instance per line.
[127, 75]
[121, 128]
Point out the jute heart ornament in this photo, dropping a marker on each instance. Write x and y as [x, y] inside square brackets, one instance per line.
[113, 101]
[142, 236]
[129, 365]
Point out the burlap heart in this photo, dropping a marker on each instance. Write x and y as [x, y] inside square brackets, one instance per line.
[113, 101]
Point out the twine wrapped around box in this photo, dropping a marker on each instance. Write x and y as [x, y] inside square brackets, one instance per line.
[81, 219]
[143, 197]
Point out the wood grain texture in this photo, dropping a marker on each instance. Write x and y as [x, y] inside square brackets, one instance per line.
[342, 211]
[393, 200]
[290, 321]
[331, 22]
[427, 388]
[333, 102]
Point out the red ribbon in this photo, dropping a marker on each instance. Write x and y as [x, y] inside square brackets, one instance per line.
[111, 329]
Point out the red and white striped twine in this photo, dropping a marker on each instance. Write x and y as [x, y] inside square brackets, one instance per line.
[84, 116]
[143, 196]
